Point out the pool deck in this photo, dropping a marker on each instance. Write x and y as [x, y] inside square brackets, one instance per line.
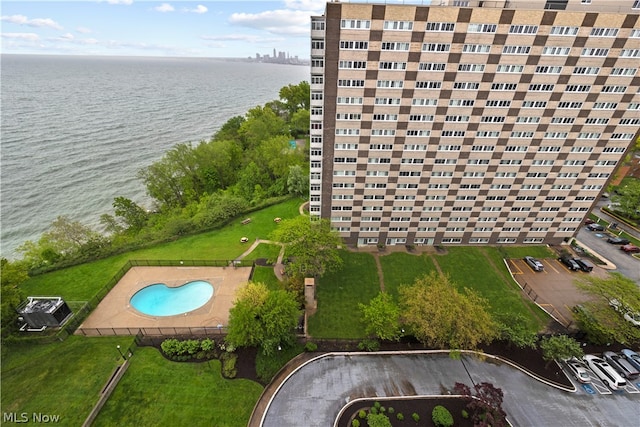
[116, 314]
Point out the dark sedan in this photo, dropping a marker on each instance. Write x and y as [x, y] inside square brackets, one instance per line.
[595, 227]
[618, 241]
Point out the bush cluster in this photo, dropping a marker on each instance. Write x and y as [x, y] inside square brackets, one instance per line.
[442, 417]
[184, 350]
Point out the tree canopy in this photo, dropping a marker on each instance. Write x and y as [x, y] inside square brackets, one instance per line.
[12, 274]
[263, 318]
[598, 317]
[440, 316]
[311, 245]
[382, 317]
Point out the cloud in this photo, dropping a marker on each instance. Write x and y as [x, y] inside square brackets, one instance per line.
[125, 2]
[164, 7]
[21, 36]
[83, 30]
[198, 9]
[315, 5]
[234, 37]
[37, 22]
[67, 36]
[289, 22]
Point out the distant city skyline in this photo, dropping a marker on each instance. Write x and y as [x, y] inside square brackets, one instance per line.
[232, 29]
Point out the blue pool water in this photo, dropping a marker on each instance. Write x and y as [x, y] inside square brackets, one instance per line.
[161, 300]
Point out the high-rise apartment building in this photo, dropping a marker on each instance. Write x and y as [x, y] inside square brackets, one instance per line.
[487, 122]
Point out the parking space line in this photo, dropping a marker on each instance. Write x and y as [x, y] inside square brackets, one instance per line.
[515, 265]
[549, 264]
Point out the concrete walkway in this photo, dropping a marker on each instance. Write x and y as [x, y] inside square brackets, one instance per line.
[278, 268]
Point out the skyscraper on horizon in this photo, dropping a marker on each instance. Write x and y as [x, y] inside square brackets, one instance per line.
[470, 122]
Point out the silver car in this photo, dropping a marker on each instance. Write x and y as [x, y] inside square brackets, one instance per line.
[632, 357]
[534, 263]
[578, 370]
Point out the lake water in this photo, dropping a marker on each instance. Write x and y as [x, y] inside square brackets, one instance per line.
[77, 129]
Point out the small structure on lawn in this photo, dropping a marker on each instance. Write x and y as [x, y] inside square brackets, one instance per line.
[39, 313]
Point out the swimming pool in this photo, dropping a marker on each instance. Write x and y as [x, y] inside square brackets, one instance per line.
[161, 300]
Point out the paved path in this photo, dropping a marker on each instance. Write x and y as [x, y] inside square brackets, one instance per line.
[278, 267]
[315, 393]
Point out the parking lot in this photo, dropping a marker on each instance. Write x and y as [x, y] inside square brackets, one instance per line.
[553, 288]
[625, 264]
[596, 386]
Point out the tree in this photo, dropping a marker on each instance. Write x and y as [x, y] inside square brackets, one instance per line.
[12, 274]
[298, 181]
[261, 124]
[598, 312]
[382, 317]
[440, 316]
[311, 245]
[513, 327]
[486, 408]
[560, 347]
[296, 97]
[378, 420]
[131, 214]
[263, 318]
[627, 197]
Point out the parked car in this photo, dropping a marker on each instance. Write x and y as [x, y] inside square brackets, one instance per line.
[632, 357]
[633, 318]
[595, 227]
[578, 370]
[622, 365]
[569, 262]
[585, 265]
[618, 241]
[630, 249]
[605, 372]
[589, 221]
[534, 263]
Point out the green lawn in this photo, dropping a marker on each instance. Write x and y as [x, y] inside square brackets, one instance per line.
[265, 250]
[267, 276]
[338, 296]
[403, 269]
[63, 378]
[158, 392]
[469, 267]
[82, 282]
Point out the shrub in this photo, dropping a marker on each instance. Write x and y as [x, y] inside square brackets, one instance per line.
[191, 347]
[391, 410]
[207, 344]
[362, 414]
[465, 414]
[355, 423]
[415, 417]
[310, 346]
[400, 416]
[170, 347]
[229, 369]
[373, 410]
[376, 405]
[382, 409]
[441, 416]
[369, 345]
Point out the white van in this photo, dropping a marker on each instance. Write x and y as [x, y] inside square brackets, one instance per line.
[605, 372]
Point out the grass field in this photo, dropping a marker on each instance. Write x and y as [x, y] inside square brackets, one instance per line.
[82, 282]
[338, 296]
[63, 378]
[403, 269]
[158, 392]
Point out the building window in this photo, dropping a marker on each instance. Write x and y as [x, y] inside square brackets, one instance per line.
[387, 101]
[432, 66]
[398, 25]
[350, 83]
[477, 68]
[354, 45]
[476, 48]
[587, 51]
[545, 69]
[359, 65]
[390, 84]
[355, 24]
[428, 85]
[466, 85]
[603, 32]
[395, 46]
[564, 31]
[556, 50]
[623, 71]
[534, 104]
[523, 29]
[510, 68]
[516, 50]
[504, 86]
[586, 70]
[570, 105]
[436, 47]
[424, 102]
[440, 26]
[482, 28]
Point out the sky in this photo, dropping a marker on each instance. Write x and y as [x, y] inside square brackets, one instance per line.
[158, 28]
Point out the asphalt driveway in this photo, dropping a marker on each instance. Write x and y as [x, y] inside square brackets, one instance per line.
[315, 393]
